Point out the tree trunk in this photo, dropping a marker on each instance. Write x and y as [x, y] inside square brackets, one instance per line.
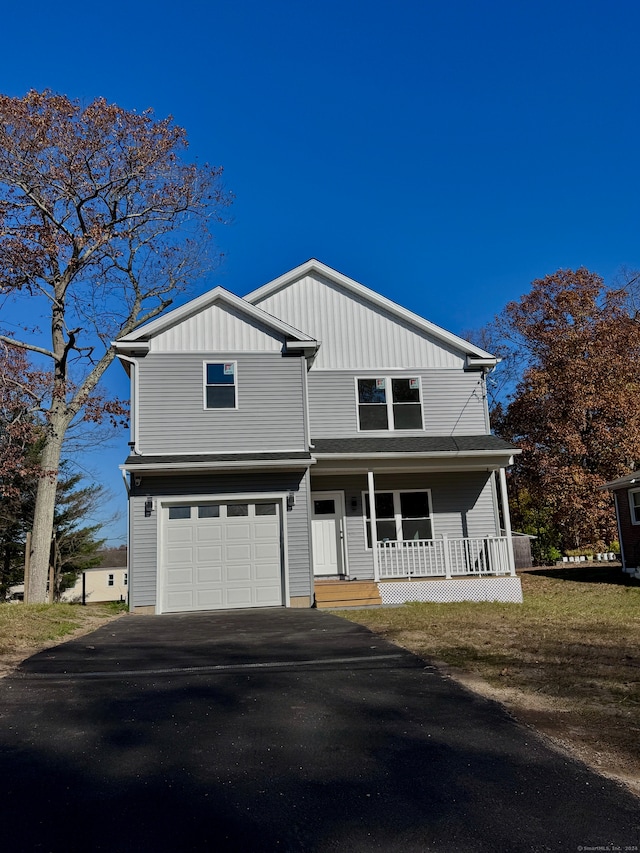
[43, 518]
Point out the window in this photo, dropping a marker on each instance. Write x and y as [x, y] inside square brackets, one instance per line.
[125, 578]
[220, 385]
[209, 511]
[634, 505]
[400, 516]
[179, 512]
[110, 580]
[266, 509]
[389, 403]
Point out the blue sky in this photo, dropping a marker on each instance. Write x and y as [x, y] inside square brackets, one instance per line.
[442, 153]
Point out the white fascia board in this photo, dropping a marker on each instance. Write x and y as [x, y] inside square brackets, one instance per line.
[195, 306]
[158, 467]
[366, 293]
[131, 347]
[434, 454]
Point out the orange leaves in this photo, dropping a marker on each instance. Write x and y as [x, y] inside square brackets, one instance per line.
[576, 410]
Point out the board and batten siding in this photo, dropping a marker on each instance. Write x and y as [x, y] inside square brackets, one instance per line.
[462, 504]
[219, 328]
[270, 398]
[354, 332]
[452, 403]
[144, 544]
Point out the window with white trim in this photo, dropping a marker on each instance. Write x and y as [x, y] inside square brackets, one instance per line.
[389, 403]
[220, 385]
[110, 580]
[125, 578]
[401, 516]
[634, 505]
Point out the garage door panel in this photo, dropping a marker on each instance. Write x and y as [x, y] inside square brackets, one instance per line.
[235, 553]
[241, 572]
[267, 571]
[177, 576]
[222, 560]
[266, 531]
[238, 531]
[209, 574]
[207, 532]
[180, 600]
[210, 554]
[210, 598]
[267, 596]
[239, 597]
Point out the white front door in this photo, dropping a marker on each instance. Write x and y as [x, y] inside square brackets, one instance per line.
[327, 513]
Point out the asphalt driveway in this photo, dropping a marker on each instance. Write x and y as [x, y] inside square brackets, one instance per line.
[278, 730]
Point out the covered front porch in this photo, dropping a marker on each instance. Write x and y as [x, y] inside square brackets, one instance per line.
[427, 519]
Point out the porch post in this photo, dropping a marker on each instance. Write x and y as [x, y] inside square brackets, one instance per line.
[506, 517]
[374, 524]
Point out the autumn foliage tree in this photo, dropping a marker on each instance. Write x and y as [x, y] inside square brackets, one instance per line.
[576, 410]
[102, 222]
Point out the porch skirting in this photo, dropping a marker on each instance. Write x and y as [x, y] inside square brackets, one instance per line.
[505, 589]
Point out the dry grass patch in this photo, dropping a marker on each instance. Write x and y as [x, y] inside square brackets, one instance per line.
[567, 661]
[28, 628]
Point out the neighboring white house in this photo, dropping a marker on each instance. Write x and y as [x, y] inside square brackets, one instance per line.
[99, 584]
[313, 431]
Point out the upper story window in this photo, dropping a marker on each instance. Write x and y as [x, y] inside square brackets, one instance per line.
[634, 505]
[389, 403]
[220, 385]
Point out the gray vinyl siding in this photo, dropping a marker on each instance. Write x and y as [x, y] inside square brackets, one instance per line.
[270, 398]
[144, 531]
[462, 505]
[452, 402]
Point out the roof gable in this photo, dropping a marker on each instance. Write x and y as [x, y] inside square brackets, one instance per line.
[217, 320]
[350, 318]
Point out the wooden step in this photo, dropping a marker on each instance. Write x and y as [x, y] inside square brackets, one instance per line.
[331, 594]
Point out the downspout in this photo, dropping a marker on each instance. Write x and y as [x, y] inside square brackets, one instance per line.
[134, 434]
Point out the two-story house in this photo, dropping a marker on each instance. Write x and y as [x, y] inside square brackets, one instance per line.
[312, 431]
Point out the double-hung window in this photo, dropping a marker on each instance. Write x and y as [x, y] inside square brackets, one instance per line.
[389, 403]
[400, 516]
[220, 385]
[634, 505]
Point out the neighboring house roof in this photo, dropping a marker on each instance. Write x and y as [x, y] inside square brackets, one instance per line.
[461, 444]
[217, 295]
[620, 483]
[476, 355]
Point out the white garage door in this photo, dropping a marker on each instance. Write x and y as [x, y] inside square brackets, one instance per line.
[221, 555]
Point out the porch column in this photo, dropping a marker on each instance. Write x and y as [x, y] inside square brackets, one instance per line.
[506, 517]
[374, 524]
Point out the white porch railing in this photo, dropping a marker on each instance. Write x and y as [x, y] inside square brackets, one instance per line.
[444, 557]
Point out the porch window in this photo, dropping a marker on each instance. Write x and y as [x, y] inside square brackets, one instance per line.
[386, 403]
[634, 505]
[401, 516]
[220, 385]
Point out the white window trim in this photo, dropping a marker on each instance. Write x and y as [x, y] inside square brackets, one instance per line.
[632, 513]
[205, 384]
[397, 512]
[110, 580]
[389, 403]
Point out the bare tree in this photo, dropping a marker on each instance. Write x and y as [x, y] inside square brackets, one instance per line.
[102, 222]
